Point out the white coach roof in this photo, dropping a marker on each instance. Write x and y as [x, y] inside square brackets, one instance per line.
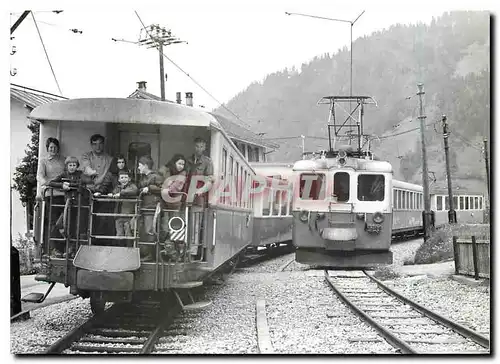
[123, 110]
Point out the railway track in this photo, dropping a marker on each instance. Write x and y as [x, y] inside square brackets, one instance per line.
[259, 256]
[121, 329]
[406, 325]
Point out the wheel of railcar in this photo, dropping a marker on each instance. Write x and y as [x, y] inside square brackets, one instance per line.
[97, 305]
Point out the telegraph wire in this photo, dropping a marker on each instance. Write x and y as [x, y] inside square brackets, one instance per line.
[192, 79]
[46, 54]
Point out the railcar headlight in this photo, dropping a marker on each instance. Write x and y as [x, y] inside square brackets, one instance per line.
[341, 157]
[320, 216]
[304, 216]
[360, 216]
[378, 218]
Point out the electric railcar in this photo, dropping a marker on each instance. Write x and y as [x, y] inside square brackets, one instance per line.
[105, 272]
[342, 213]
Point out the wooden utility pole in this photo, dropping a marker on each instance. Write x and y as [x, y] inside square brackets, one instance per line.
[426, 214]
[162, 70]
[486, 161]
[452, 215]
[157, 37]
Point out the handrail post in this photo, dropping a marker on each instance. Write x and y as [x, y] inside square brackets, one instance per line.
[475, 258]
[455, 254]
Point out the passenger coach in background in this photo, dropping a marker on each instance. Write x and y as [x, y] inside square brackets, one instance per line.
[272, 208]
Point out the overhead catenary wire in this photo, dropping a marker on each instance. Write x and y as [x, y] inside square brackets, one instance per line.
[192, 79]
[46, 54]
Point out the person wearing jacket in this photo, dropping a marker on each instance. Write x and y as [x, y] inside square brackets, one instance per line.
[125, 189]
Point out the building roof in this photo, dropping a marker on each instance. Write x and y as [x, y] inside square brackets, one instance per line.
[32, 97]
[141, 94]
[239, 132]
[233, 129]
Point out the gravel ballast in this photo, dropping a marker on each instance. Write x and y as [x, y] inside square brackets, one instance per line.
[303, 314]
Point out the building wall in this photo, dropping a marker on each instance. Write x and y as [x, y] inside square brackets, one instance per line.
[20, 137]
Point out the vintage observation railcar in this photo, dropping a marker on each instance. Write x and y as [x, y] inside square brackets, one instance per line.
[105, 272]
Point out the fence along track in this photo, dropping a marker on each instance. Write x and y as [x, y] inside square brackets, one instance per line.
[119, 329]
[423, 328]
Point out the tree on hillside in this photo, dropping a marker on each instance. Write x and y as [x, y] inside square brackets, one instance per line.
[450, 56]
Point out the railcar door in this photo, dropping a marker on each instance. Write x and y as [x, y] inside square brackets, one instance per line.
[133, 145]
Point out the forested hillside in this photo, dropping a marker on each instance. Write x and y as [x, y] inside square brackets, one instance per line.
[450, 56]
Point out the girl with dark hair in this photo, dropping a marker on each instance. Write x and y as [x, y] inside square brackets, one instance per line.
[175, 173]
[175, 179]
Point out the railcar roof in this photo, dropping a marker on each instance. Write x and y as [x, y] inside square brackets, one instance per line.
[330, 164]
[123, 110]
[407, 186]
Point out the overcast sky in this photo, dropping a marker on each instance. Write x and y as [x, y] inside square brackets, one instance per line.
[230, 43]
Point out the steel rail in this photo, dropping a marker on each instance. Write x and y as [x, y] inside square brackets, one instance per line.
[65, 342]
[462, 330]
[157, 333]
[387, 334]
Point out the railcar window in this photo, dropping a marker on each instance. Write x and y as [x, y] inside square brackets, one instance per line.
[455, 202]
[341, 182]
[403, 203]
[462, 202]
[421, 201]
[224, 162]
[394, 198]
[277, 202]
[285, 201]
[446, 203]
[245, 190]
[241, 147]
[481, 203]
[466, 202]
[476, 203]
[371, 187]
[241, 186]
[400, 199]
[231, 181]
[439, 203]
[311, 186]
[412, 200]
[236, 185]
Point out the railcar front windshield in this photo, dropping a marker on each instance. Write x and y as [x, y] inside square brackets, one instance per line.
[371, 187]
[312, 186]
